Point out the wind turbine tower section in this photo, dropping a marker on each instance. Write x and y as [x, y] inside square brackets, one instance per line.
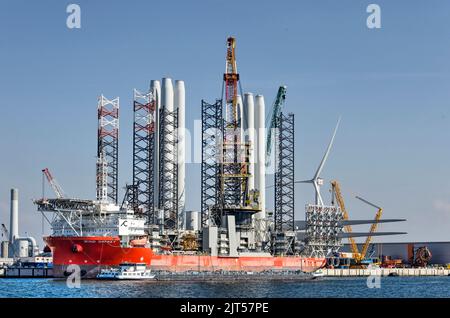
[259, 149]
[155, 89]
[168, 167]
[179, 103]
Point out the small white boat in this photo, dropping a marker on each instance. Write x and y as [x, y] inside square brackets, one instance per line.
[318, 273]
[109, 273]
[127, 271]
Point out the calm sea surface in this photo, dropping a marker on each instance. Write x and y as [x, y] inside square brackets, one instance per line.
[324, 287]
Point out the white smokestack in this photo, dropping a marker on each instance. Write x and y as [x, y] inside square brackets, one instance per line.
[18, 246]
[14, 217]
[179, 101]
[260, 167]
[155, 88]
[249, 119]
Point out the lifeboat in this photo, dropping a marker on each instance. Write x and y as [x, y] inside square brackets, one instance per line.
[140, 242]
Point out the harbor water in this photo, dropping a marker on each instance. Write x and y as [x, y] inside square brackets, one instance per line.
[348, 287]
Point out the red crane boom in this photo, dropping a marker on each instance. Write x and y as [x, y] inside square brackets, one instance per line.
[54, 184]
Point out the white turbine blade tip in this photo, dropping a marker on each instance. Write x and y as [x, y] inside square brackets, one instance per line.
[327, 152]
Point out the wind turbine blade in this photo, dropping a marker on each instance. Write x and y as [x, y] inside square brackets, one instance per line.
[325, 156]
[304, 181]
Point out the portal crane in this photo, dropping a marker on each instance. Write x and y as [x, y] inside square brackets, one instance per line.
[54, 184]
[271, 119]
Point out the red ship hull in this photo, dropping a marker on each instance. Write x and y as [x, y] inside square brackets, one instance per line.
[94, 253]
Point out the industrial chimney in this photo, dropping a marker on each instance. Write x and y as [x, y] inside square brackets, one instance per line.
[19, 246]
[14, 217]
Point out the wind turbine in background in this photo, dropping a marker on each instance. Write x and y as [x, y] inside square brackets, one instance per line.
[317, 181]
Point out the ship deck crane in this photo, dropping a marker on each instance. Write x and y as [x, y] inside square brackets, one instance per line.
[234, 175]
[54, 184]
[271, 120]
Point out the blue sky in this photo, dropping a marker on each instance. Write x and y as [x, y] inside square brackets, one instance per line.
[391, 87]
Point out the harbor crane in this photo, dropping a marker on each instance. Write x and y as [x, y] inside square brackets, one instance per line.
[272, 118]
[373, 227]
[358, 256]
[54, 184]
[348, 228]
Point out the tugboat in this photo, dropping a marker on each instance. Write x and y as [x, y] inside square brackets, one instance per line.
[127, 271]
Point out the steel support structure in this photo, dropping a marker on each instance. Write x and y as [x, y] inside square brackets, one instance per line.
[108, 142]
[144, 106]
[168, 168]
[284, 174]
[212, 124]
[130, 198]
[233, 169]
[323, 226]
